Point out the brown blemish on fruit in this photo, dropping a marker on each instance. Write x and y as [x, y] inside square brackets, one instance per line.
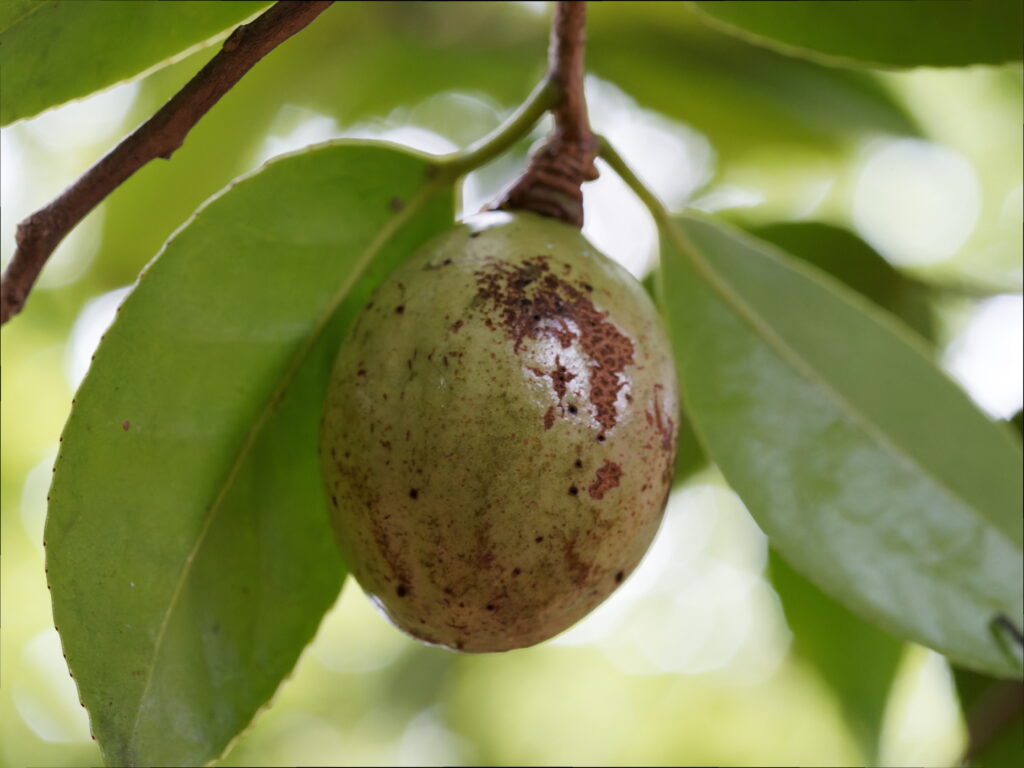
[549, 417]
[606, 478]
[400, 309]
[456, 325]
[126, 425]
[531, 302]
[662, 423]
[396, 204]
[577, 567]
[619, 577]
[414, 493]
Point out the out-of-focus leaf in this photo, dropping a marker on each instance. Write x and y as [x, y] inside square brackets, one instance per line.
[189, 555]
[882, 33]
[52, 51]
[670, 61]
[871, 472]
[855, 659]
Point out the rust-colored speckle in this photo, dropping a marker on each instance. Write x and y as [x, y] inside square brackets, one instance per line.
[606, 478]
[549, 417]
[531, 302]
[456, 325]
[577, 567]
[126, 425]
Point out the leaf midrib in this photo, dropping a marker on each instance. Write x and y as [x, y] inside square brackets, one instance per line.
[762, 328]
[365, 258]
[33, 8]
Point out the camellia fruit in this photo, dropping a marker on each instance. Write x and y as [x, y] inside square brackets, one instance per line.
[498, 437]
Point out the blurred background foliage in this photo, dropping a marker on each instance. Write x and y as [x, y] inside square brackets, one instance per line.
[906, 185]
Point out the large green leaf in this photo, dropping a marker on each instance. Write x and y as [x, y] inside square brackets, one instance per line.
[855, 659]
[871, 472]
[52, 51]
[670, 61]
[850, 260]
[189, 555]
[893, 33]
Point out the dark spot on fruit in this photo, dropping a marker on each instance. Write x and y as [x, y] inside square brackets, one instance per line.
[516, 571]
[361, 372]
[475, 234]
[572, 409]
[619, 577]
[334, 500]
[456, 325]
[446, 262]
[600, 438]
[401, 591]
[578, 464]
[549, 417]
[413, 493]
[539, 539]
[400, 309]
[490, 606]
[459, 645]
[396, 204]
[573, 490]
[606, 478]
[587, 287]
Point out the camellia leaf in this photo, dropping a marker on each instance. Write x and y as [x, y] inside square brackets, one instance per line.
[52, 51]
[850, 260]
[881, 33]
[188, 547]
[870, 470]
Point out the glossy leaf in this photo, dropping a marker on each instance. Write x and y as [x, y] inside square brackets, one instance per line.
[870, 471]
[857, 265]
[850, 260]
[52, 51]
[722, 86]
[881, 33]
[855, 659]
[189, 554]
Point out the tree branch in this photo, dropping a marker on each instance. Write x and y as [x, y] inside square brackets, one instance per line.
[39, 234]
[550, 186]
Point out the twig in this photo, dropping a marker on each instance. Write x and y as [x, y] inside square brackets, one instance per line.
[39, 234]
[551, 184]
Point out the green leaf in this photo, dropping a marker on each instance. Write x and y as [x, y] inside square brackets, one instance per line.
[847, 258]
[870, 471]
[188, 549]
[52, 51]
[857, 265]
[722, 86]
[856, 660]
[881, 33]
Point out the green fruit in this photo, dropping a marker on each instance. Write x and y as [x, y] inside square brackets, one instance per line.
[498, 435]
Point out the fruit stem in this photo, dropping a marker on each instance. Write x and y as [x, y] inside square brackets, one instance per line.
[551, 184]
[544, 97]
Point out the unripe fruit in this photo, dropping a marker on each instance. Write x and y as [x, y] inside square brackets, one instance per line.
[499, 433]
